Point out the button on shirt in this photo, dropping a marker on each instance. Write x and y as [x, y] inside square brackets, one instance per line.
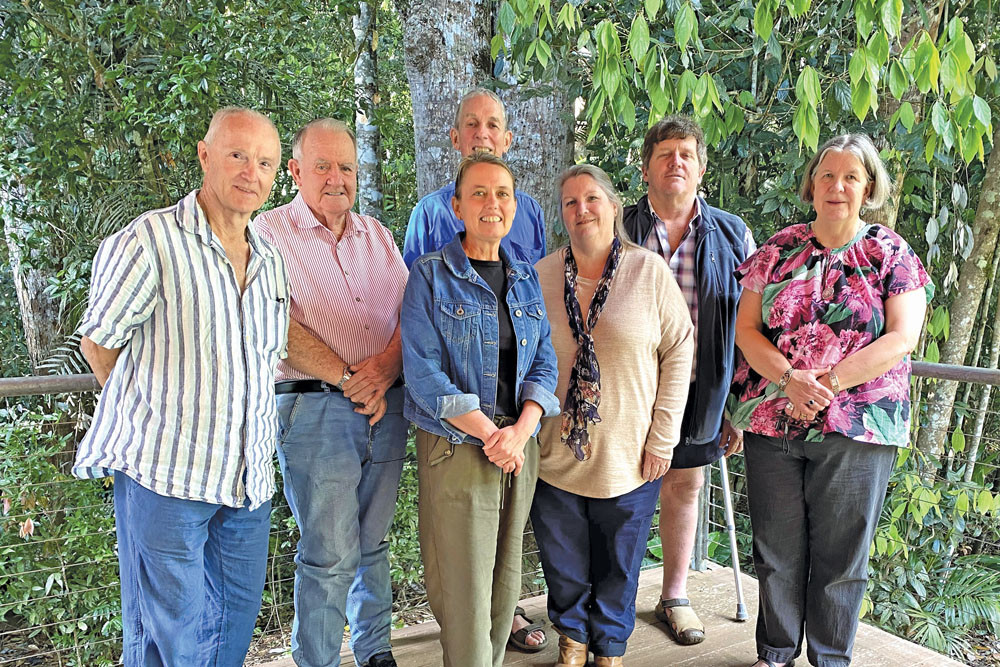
[188, 410]
[348, 291]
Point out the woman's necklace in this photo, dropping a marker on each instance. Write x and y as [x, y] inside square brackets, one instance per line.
[827, 293]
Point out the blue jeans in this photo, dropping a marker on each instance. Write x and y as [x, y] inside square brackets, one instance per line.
[591, 551]
[341, 478]
[192, 576]
[814, 507]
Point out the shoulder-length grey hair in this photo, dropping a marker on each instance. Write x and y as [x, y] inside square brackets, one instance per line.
[861, 147]
[604, 183]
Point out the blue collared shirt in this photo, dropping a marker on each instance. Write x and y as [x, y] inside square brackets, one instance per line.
[188, 410]
[433, 224]
[450, 333]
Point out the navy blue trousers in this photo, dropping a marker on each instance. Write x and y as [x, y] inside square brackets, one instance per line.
[591, 550]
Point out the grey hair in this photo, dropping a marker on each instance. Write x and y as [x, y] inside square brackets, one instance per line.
[476, 92]
[222, 114]
[604, 183]
[330, 124]
[861, 147]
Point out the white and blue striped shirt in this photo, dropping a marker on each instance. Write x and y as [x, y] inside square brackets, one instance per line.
[188, 410]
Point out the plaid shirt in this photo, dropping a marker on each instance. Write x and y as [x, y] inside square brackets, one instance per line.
[682, 262]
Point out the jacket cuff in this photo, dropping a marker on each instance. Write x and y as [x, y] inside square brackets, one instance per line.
[532, 391]
[454, 405]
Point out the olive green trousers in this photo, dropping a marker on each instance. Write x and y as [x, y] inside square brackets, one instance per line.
[472, 519]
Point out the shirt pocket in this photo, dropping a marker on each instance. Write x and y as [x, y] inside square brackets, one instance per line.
[531, 314]
[458, 320]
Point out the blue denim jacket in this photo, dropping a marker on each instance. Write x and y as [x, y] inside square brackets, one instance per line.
[450, 329]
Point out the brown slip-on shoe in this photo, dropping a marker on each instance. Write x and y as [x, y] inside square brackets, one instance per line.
[603, 661]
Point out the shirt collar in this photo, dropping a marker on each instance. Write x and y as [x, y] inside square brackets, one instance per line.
[192, 218]
[695, 214]
[304, 218]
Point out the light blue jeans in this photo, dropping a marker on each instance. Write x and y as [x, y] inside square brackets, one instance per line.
[192, 576]
[341, 478]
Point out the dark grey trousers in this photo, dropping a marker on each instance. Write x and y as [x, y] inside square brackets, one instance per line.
[814, 507]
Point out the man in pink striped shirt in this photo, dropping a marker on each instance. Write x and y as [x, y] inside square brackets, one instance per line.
[342, 434]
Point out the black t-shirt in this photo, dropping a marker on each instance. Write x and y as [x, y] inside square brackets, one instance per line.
[495, 275]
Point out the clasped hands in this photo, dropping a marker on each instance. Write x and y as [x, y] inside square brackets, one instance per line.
[370, 380]
[809, 391]
[505, 448]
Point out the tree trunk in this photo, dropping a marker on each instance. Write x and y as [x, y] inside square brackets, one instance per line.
[365, 101]
[39, 312]
[543, 147]
[447, 52]
[971, 282]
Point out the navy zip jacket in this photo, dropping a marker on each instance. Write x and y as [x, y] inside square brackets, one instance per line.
[720, 248]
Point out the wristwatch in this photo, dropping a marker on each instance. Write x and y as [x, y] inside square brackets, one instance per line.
[344, 378]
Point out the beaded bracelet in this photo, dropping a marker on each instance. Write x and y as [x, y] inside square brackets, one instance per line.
[785, 379]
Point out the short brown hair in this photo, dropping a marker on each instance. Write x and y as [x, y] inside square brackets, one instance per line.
[480, 157]
[676, 126]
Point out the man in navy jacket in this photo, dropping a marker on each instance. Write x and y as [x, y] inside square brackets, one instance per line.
[703, 246]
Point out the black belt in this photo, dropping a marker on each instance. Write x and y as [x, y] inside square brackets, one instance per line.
[306, 386]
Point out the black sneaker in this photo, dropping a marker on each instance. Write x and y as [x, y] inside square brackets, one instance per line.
[383, 659]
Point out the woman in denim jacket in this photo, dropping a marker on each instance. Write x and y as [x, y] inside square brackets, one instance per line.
[480, 373]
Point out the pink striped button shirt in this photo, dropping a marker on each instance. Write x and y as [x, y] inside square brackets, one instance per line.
[346, 292]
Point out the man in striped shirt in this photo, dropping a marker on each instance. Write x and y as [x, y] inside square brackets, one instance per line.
[188, 315]
[340, 401]
[703, 246]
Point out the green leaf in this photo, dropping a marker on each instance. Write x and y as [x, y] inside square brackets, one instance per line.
[858, 65]
[496, 44]
[982, 111]
[990, 67]
[951, 77]
[763, 19]
[864, 16]
[984, 501]
[927, 64]
[861, 98]
[628, 112]
[963, 111]
[685, 85]
[699, 98]
[685, 25]
[898, 81]
[506, 17]
[798, 8]
[958, 441]
[638, 38]
[939, 118]
[962, 502]
[653, 8]
[891, 14]
[878, 48]
[543, 52]
[972, 145]
[807, 87]
[932, 354]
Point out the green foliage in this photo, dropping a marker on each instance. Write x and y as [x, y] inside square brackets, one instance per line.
[59, 578]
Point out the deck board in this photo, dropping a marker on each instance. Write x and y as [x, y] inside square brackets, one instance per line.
[728, 643]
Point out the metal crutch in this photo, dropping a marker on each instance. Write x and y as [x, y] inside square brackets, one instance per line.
[741, 609]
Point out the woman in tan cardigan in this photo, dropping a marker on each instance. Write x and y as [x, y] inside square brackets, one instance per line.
[623, 337]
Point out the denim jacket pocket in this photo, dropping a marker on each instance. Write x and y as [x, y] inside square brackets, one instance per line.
[458, 320]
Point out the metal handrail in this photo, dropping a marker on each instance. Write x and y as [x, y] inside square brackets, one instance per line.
[34, 385]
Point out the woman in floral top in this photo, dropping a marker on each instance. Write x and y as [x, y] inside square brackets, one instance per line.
[829, 314]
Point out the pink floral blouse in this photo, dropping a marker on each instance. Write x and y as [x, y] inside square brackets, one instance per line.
[819, 305]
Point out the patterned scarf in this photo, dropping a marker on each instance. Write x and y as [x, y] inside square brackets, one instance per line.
[584, 392]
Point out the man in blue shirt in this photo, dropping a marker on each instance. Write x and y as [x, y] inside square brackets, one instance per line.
[480, 125]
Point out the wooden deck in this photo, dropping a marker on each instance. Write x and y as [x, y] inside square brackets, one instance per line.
[727, 644]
